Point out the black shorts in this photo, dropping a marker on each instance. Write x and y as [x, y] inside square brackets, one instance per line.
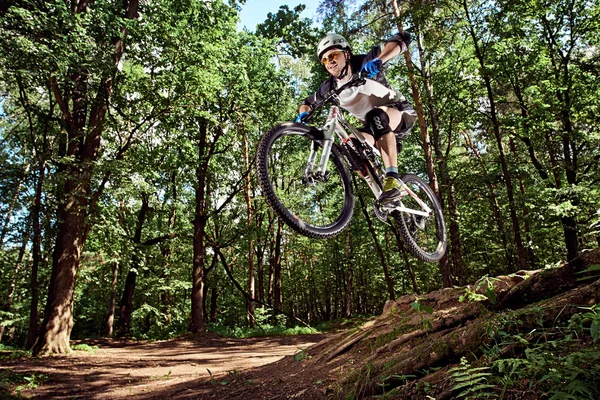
[409, 116]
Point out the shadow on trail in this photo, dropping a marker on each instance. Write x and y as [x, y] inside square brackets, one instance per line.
[133, 370]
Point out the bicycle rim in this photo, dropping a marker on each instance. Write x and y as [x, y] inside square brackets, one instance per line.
[318, 209]
[425, 237]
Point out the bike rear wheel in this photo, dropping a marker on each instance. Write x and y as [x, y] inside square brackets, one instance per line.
[425, 237]
[318, 208]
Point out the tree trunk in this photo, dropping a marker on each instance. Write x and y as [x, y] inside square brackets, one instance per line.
[126, 306]
[496, 128]
[425, 139]
[441, 160]
[56, 327]
[260, 254]
[386, 272]
[200, 219]
[277, 293]
[83, 145]
[18, 268]
[402, 250]
[250, 216]
[349, 275]
[111, 304]
[525, 211]
[36, 258]
[214, 294]
[455, 240]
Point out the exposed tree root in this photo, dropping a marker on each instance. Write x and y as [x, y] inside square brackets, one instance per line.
[407, 340]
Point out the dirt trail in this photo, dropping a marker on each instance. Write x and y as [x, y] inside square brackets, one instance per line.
[119, 370]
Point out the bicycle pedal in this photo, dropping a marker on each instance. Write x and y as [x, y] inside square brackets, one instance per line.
[389, 207]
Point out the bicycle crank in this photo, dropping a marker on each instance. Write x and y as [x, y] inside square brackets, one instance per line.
[382, 211]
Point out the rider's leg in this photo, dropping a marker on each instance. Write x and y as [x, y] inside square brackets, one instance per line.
[382, 122]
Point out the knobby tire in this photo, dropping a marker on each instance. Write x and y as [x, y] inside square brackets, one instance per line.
[273, 191]
[416, 239]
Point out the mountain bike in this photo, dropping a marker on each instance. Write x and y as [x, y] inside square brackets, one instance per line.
[305, 178]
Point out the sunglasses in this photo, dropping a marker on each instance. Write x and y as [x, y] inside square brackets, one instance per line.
[330, 57]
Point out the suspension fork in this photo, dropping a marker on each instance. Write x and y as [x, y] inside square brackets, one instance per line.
[313, 170]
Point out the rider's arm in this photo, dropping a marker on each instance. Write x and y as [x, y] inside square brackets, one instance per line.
[394, 46]
[317, 96]
[391, 50]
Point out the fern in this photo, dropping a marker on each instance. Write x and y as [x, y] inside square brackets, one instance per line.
[470, 382]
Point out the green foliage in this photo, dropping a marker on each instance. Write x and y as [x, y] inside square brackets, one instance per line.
[262, 330]
[85, 347]
[302, 355]
[18, 382]
[485, 284]
[556, 361]
[419, 308]
[580, 321]
[471, 382]
[12, 353]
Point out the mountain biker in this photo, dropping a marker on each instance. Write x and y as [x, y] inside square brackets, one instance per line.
[386, 114]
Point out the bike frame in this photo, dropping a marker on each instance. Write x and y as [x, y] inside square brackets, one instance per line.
[336, 125]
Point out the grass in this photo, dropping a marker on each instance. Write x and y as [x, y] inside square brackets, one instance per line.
[85, 347]
[263, 330]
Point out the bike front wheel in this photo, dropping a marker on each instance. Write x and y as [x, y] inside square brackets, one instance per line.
[425, 237]
[314, 205]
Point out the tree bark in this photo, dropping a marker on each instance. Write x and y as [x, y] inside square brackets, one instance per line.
[16, 276]
[349, 276]
[200, 219]
[409, 269]
[250, 216]
[111, 304]
[36, 257]
[455, 240]
[379, 250]
[442, 164]
[83, 145]
[126, 305]
[277, 293]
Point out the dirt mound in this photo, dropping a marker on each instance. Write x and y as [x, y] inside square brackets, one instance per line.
[409, 351]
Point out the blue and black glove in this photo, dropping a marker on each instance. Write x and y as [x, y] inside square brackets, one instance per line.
[301, 116]
[373, 67]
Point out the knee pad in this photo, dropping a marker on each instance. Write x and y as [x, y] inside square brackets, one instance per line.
[379, 122]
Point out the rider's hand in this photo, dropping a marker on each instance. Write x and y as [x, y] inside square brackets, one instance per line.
[301, 116]
[373, 67]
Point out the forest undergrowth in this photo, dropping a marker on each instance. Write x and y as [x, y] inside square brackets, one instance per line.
[527, 335]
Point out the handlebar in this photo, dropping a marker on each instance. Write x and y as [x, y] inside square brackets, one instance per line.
[357, 80]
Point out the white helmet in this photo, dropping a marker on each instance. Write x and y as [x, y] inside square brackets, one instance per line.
[332, 41]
